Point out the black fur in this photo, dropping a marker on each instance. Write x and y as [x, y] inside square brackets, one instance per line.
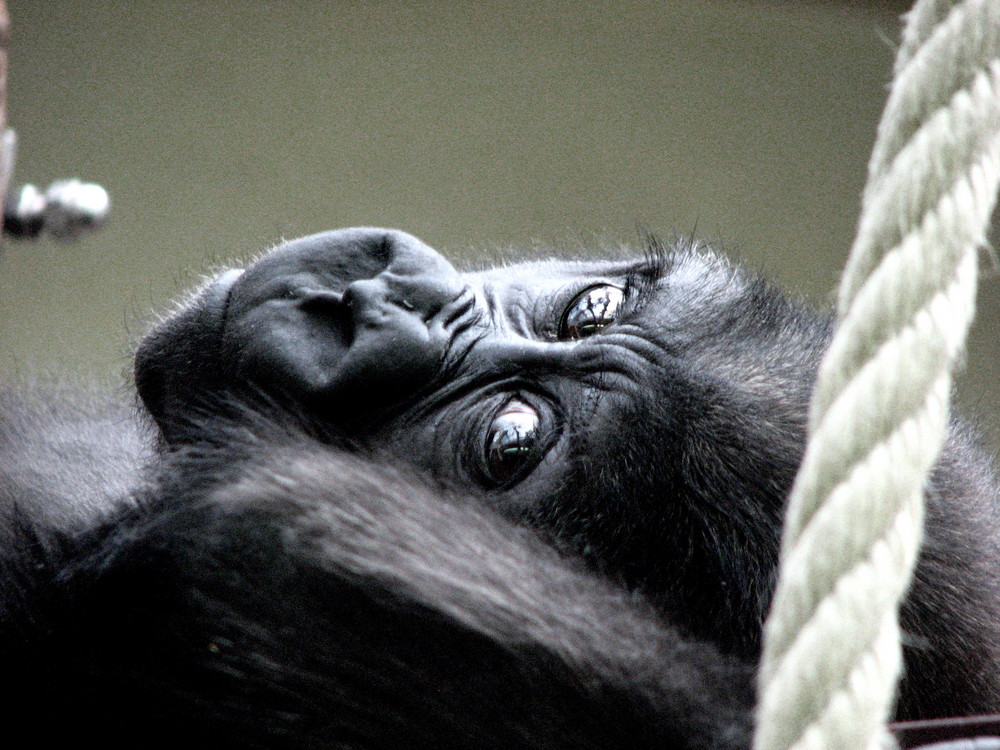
[305, 545]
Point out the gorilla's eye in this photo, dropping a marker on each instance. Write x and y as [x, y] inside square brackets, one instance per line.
[512, 441]
[591, 311]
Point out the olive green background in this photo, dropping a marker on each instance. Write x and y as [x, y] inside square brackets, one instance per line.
[221, 127]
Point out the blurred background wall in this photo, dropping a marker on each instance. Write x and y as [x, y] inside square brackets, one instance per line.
[221, 127]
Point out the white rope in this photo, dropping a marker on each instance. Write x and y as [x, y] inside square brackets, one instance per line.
[879, 412]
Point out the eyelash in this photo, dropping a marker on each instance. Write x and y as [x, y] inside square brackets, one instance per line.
[643, 281]
[641, 284]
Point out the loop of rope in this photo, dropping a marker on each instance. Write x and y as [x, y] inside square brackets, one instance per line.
[879, 411]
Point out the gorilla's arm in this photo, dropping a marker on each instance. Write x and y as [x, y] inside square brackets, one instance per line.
[286, 594]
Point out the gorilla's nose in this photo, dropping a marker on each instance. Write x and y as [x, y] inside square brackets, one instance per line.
[406, 274]
[344, 321]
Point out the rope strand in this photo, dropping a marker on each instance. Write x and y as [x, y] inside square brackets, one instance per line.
[879, 411]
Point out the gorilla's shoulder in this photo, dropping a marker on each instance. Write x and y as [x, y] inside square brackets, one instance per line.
[69, 453]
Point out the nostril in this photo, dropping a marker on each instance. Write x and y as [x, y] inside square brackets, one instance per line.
[383, 248]
[334, 310]
[322, 299]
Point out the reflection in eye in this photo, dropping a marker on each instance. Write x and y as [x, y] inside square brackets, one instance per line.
[591, 311]
[511, 441]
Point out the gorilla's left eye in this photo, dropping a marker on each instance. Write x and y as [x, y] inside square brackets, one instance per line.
[591, 311]
[512, 441]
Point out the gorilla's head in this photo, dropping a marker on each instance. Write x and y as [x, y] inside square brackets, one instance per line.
[647, 413]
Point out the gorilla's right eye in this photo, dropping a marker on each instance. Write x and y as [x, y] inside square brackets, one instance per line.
[591, 311]
[512, 441]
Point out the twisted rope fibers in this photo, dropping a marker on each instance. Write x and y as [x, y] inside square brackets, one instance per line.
[879, 411]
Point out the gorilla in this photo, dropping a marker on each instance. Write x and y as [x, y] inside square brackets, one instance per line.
[366, 500]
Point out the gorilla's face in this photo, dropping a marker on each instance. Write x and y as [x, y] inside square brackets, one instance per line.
[504, 381]
[648, 413]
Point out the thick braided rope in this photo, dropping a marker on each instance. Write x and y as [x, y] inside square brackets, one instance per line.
[880, 407]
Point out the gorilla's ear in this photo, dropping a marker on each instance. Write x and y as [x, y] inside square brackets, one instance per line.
[181, 359]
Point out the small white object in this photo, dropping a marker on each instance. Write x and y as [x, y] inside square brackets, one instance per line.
[74, 207]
